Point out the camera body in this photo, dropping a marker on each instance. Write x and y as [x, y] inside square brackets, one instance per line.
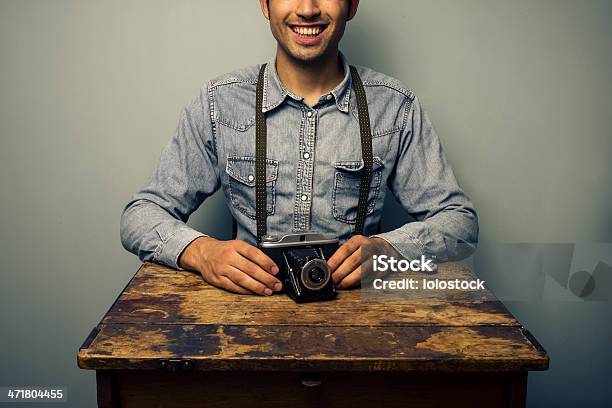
[302, 262]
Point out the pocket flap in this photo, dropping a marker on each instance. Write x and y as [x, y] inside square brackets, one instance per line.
[243, 169]
[355, 166]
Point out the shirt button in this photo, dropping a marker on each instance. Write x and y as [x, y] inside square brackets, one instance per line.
[306, 155]
[304, 197]
[251, 177]
[309, 114]
[328, 97]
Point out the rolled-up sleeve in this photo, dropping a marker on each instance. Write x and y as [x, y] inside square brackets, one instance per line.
[153, 223]
[446, 225]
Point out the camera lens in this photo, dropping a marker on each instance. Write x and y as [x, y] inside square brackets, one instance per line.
[308, 265]
[316, 275]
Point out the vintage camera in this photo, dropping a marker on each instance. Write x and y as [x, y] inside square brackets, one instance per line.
[301, 259]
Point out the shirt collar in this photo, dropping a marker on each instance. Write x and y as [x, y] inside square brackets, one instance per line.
[275, 92]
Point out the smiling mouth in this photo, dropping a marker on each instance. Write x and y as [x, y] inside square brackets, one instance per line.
[308, 31]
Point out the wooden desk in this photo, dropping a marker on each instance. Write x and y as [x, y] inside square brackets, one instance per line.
[171, 340]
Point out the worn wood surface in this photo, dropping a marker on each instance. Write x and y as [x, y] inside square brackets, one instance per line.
[173, 319]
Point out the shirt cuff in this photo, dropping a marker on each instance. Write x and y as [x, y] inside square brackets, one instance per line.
[408, 247]
[174, 246]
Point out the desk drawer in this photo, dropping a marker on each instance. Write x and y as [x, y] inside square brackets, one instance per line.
[135, 388]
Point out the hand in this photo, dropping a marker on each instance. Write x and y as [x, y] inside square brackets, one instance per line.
[231, 265]
[345, 264]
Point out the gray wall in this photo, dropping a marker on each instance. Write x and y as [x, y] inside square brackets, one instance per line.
[90, 91]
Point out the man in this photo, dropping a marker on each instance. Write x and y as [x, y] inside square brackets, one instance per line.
[313, 163]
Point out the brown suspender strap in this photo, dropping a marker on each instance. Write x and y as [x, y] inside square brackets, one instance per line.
[261, 131]
[260, 155]
[366, 150]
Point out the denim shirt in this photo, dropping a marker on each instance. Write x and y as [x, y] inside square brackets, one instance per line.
[313, 168]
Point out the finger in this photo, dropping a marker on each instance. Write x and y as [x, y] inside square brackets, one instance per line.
[258, 256]
[225, 283]
[343, 252]
[242, 279]
[255, 271]
[351, 280]
[349, 265]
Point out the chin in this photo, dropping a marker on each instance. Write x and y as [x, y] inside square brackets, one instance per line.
[307, 56]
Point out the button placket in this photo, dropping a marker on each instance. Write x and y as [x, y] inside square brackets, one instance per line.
[305, 173]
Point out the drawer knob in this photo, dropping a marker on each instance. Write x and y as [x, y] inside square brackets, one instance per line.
[311, 380]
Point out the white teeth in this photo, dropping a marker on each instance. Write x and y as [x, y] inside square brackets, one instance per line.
[307, 30]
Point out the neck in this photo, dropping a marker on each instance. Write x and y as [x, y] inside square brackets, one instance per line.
[309, 79]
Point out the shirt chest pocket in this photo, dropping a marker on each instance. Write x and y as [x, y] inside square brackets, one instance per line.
[345, 194]
[241, 185]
